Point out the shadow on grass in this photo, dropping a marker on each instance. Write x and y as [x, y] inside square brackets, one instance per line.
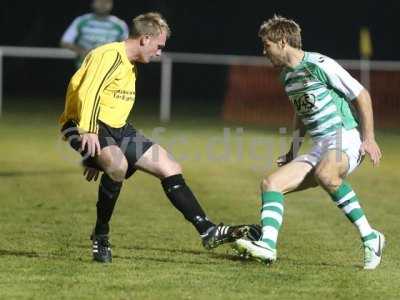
[175, 251]
[234, 258]
[220, 256]
[18, 253]
[141, 248]
[35, 173]
[230, 257]
[174, 259]
[299, 263]
[178, 259]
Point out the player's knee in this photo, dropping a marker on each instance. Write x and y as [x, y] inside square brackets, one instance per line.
[269, 184]
[165, 166]
[172, 168]
[117, 170]
[327, 180]
[117, 174]
[177, 168]
[106, 161]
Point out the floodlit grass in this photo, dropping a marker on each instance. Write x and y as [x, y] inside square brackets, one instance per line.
[47, 211]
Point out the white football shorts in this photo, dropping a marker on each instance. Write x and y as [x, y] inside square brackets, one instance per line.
[349, 141]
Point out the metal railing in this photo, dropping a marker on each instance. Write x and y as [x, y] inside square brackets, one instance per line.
[169, 58]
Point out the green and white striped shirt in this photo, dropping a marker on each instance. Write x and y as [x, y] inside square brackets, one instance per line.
[89, 32]
[320, 91]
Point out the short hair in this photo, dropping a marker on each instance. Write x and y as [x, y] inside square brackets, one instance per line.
[152, 24]
[279, 28]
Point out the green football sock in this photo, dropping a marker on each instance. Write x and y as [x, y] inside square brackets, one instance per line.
[271, 217]
[345, 198]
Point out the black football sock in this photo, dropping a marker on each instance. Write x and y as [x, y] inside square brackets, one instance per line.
[108, 195]
[183, 199]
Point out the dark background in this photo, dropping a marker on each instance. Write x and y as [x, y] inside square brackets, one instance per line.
[228, 27]
[224, 27]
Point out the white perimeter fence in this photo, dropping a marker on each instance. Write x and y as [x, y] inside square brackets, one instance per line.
[169, 58]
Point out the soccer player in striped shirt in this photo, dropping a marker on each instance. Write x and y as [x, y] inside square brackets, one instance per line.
[99, 99]
[91, 30]
[322, 94]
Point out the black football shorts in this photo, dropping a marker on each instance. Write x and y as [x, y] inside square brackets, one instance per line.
[128, 139]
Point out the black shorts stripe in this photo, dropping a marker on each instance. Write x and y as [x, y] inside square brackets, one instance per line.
[94, 115]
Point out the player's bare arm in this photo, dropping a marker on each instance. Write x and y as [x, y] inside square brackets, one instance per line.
[369, 145]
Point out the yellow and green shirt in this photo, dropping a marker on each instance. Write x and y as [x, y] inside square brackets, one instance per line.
[103, 88]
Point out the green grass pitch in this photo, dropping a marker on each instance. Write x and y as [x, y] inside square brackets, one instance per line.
[47, 211]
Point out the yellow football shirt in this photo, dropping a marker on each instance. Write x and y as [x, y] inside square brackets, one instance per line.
[103, 88]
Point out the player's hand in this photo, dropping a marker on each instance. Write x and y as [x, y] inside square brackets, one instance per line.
[284, 159]
[91, 174]
[90, 142]
[371, 148]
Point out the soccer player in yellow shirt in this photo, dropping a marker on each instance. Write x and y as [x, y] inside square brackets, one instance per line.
[99, 99]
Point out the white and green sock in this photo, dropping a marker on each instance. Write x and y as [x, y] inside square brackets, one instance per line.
[271, 217]
[345, 198]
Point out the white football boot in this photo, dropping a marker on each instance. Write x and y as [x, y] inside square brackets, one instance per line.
[373, 251]
[257, 250]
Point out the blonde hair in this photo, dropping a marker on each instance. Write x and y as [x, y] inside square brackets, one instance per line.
[279, 28]
[152, 24]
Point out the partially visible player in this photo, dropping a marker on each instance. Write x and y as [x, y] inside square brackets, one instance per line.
[99, 99]
[94, 29]
[322, 94]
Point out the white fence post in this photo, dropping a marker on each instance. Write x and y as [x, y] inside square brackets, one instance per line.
[365, 68]
[1, 82]
[166, 85]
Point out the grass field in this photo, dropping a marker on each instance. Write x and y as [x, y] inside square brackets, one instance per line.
[47, 211]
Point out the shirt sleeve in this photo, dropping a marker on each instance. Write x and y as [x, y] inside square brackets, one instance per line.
[340, 79]
[101, 69]
[71, 33]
